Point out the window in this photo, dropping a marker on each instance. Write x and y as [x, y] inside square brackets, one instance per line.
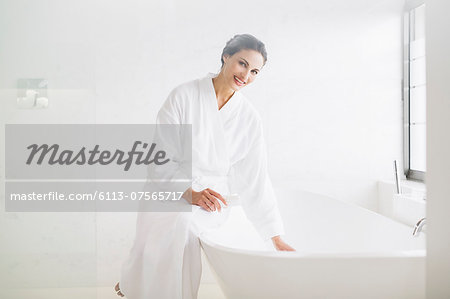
[414, 91]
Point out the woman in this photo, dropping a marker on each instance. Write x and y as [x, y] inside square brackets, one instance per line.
[228, 156]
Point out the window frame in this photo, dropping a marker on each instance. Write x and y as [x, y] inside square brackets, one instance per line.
[409, 173]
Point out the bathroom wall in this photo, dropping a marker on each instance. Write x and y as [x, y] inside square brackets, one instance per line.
[438, 148]
[330, 94]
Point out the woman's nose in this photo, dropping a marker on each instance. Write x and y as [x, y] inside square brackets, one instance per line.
[246, 75]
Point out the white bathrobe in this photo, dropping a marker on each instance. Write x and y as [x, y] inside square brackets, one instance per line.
[228, 156]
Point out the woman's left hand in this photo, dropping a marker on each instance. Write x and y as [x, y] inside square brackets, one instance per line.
[280, 245]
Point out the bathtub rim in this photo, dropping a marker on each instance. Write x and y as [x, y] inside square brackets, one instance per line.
[418, 253]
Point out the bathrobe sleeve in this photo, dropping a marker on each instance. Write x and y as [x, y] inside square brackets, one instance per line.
[255, 188]
[173, 136]
[171, 111]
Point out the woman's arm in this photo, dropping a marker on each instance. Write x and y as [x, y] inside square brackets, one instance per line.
[251, 180]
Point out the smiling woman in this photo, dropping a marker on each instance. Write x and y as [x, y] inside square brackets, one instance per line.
[228, 157]
[242, 59]
[239, 70]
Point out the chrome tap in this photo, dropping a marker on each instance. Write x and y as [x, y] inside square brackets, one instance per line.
[419, 226]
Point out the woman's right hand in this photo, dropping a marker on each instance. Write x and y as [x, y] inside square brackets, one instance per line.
[207, 199]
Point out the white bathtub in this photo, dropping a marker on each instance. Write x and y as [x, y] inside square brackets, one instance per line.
[343, 251]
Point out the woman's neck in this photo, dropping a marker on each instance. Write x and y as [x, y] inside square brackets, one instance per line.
[223, 92]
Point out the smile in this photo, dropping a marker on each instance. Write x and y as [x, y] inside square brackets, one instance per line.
[238, 81]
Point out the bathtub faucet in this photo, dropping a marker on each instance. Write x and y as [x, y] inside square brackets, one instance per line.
[419, 226]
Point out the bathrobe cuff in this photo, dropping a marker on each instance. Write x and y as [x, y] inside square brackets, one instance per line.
[271, 229]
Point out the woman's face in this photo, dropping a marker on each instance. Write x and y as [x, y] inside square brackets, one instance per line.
[242, 68]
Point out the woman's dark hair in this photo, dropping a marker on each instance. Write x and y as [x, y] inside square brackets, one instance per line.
[243, 42]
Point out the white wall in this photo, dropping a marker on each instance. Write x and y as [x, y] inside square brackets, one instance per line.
[330, 95]
[438, 148]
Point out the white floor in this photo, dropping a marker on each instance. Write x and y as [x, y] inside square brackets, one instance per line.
[207, 291]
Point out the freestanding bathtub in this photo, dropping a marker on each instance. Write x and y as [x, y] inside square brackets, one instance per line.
[342, 251]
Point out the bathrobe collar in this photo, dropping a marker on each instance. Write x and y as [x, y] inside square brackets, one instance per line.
[230, 105]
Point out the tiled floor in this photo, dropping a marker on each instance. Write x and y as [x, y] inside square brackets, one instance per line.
[207, 291]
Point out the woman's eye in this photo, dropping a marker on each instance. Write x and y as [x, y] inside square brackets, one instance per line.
[242, 63]
[255, 72]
